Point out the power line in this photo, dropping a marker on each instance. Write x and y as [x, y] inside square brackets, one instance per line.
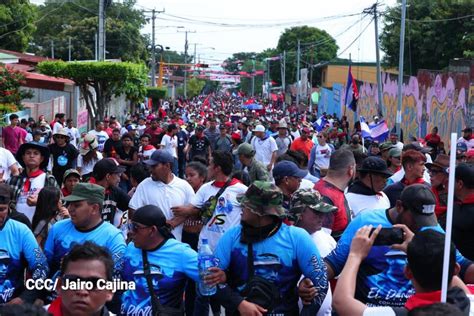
[431, 21]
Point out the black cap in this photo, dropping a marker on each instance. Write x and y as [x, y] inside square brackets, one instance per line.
[416, 146]
[467, 130]
[106, 166]
[375, 164]
[419, 199]
[152, 215]
[465, 173]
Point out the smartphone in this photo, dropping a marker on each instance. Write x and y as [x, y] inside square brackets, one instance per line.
[388, 236]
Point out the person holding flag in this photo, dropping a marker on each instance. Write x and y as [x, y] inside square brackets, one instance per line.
[352, 93]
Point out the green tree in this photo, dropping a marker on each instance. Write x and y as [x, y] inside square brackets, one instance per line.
[16, 24]
[234, 63]
[10, 92]
[105, 78]
[78, 20]
[432, 36]
[194, 87]
[316, 46]
[246, 83]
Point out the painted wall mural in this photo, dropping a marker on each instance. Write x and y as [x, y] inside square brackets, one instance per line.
[430, 99]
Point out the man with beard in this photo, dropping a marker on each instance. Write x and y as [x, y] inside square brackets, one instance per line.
[467, 138]
[262, 232]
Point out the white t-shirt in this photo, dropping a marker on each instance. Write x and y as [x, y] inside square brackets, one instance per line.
[141, 129]
[322, 156]
[359, 202]
[264, 149]
[170, 144]
[88, 167]
[306, 184]
[469, 143]
[74, 135]
[101, 138]
[56, 127]
[6, 161]
[165, 196]
[227, 212]
[145, 154]
[37, 184]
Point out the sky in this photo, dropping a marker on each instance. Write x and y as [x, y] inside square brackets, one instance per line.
[255, 25]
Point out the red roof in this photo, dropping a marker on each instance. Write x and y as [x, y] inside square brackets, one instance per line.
[26, 59]
[36, 80]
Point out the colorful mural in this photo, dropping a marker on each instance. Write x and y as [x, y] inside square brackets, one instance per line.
[430, 99]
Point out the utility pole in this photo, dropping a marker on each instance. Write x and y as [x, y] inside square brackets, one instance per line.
[298, 75]
[311, 81]
[400, 69]
[194, 60]
[373, 10]
[69, 47]
[96, 47]
[283, 72]
[253, 76]
[101, 52]
[153, 46]
[52, 49]
[186, 61]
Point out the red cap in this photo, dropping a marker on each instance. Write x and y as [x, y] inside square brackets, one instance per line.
[236, 136]
[470, 153]
[228, 124]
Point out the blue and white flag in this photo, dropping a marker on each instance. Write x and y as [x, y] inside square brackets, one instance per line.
[320, 124]
[377, 131]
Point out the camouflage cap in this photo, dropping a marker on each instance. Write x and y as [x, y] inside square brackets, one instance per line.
[263, 198]
[308, 198]
[386, 146]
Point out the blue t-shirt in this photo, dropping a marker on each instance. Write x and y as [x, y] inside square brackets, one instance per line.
[381, 280]
[17, 242]
[170, 267]
[281, 258]
[63, 235]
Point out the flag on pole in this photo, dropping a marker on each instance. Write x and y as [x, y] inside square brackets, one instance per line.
[377, 131]
[364, 128]
[320, 124]
[352, 94]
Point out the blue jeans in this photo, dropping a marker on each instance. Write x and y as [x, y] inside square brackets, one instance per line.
[175, 166]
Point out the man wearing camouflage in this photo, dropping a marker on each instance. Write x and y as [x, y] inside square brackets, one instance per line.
[255, 169]
[262, 233]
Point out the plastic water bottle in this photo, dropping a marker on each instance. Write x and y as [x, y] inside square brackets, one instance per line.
[206, 260]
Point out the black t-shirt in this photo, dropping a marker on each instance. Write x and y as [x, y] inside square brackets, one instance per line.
[112, 146]
[182, 139]
[63, 159]
[114, 199]
[127, 156]
[199, 146]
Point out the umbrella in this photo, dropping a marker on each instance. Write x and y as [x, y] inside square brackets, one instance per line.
[252, 106]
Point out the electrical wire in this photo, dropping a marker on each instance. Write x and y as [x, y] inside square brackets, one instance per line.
[430, 21]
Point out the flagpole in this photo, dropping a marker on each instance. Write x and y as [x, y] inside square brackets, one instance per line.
[449, 217]
[400, 70]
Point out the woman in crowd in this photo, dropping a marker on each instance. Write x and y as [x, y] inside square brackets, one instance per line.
[89, 155]
[49, 210]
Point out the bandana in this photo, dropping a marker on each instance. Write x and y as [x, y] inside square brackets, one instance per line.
[29, 177]
[416, 181]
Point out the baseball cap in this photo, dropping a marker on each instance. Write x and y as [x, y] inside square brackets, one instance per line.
[467, 130]
[86, 192]
[131, 127]
[395, 152]
[245, 149]
[159, 156]
[259, 128]
[386, 146]
[287, 168]
[152, 215]
[236, 136]
[105, 166]
[461, 147]
[69, 172]
[309, 198]
[419, 199]
[375, 164]
[263, 198]
[4, 193]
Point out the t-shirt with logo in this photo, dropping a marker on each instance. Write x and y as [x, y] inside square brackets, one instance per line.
[115, 200]
[64, 235]
[37, 183]
[199, 146]
[381, 280]
[74, 135]
[170, 267]
[64, 158]
[227, 212]
[18, 243]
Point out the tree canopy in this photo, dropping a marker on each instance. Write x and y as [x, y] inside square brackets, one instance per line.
[10, 93]
[106, 79]
[16, 24]
[433, 35]
[78, 20]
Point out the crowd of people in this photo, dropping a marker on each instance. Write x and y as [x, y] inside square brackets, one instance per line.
[304, 218]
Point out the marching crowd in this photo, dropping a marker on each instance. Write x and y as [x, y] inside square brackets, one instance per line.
[303, 218]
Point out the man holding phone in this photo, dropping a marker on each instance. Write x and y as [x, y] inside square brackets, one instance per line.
[415, 209]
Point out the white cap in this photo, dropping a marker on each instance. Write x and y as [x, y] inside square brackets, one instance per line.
[259, 128]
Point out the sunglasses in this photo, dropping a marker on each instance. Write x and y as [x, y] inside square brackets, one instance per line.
[134, 227]
[91, 283]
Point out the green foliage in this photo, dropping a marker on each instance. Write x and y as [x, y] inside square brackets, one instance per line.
[156, 93]
[316, 46]
[246, 83]
[10, 82]
[78, 20]
[429, 45]
[194, 87]
[233, 63]
[105, 78]
[16, 24]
